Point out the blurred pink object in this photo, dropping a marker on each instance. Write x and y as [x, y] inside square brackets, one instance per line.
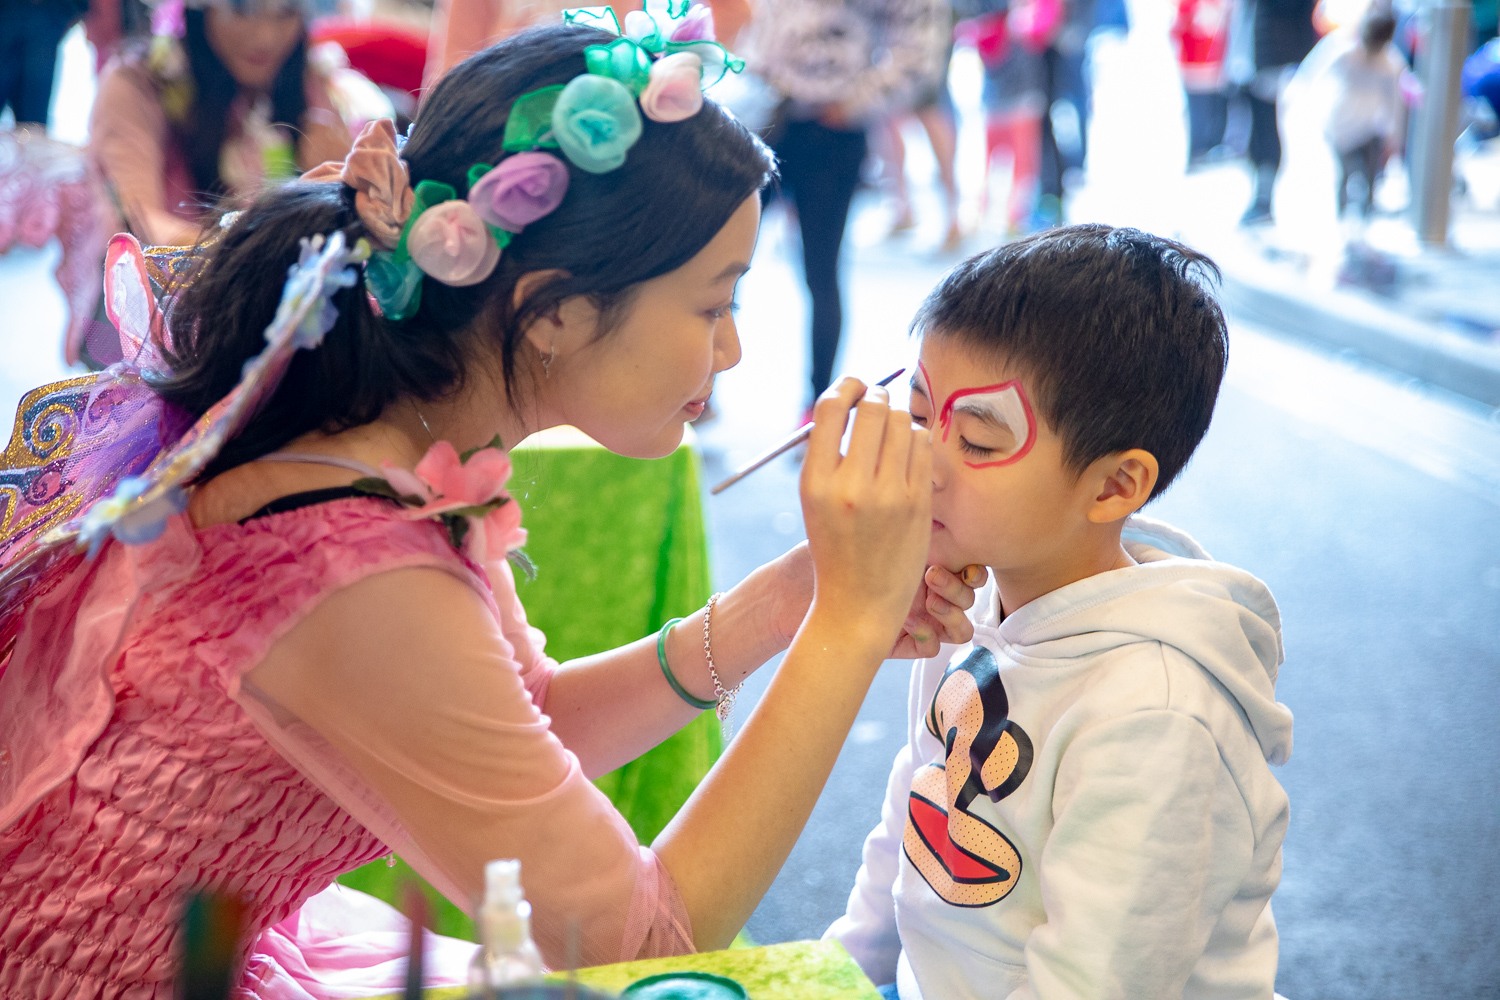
[49, 188]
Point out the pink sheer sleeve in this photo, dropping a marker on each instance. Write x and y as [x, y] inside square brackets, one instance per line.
[128, 139]
[412, 699]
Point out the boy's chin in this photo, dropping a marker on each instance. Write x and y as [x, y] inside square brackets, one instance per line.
[947, 556]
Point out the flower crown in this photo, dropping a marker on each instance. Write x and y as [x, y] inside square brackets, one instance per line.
[658, 66]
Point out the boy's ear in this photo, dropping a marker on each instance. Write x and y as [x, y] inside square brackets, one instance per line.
[1123, 483]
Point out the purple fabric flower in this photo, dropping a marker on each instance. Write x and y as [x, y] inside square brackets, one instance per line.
[521, 189]
[696, 26]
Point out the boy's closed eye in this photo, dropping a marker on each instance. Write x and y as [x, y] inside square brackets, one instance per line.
[984, 434]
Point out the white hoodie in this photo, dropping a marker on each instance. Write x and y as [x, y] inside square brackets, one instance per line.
[1122, 837]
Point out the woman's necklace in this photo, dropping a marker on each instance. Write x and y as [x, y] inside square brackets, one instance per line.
[430, 436]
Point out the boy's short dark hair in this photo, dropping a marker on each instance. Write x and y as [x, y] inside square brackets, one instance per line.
[1117, 332]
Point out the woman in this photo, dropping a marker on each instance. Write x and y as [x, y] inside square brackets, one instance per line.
[303, 676]
[220, 104]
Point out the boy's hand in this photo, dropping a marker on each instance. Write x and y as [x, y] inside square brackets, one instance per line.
[938, 612]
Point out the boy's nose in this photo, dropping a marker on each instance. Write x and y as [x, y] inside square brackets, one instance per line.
[941, 464]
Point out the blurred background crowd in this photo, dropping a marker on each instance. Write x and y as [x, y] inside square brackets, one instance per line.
[187, 108]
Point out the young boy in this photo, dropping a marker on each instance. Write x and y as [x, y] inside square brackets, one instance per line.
[1083, 807]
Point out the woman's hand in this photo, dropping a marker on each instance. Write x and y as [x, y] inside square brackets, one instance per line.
[868, 512]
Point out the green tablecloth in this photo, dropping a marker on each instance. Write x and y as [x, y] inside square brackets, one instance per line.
[796, 970]
[620, 547]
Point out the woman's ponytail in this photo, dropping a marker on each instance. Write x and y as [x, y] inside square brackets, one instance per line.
[219, 316]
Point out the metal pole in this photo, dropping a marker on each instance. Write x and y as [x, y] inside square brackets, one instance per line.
[1440, 56]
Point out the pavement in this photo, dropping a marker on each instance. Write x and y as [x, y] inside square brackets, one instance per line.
[1431, 312]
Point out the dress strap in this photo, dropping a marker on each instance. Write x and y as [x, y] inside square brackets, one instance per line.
[308, 498]
[353, 465]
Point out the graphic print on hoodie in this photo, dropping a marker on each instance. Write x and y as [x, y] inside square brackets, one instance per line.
[965, 860]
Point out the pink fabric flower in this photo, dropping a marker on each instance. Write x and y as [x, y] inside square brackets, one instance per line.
[499, 532]
[450, 242]
[445, 482]
[521, 189]
[383, 195]
[675, 91]
[467, 494]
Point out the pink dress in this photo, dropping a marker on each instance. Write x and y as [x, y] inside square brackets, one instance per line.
[138, 763]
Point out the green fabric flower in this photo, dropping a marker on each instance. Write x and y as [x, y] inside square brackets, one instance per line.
[595, 122]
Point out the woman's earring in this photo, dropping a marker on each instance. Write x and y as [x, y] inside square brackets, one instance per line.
[547, 360]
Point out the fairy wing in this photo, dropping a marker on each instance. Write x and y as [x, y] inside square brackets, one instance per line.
[102, 455]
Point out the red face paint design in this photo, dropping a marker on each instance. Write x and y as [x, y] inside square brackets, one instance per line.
[1003, 424]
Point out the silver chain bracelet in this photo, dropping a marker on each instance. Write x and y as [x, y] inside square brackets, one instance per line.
[724, 696]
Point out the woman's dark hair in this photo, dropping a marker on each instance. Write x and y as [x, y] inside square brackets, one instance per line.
[678, 187]
[201, 132]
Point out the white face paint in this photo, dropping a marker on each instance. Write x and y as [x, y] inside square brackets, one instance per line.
[995, 423]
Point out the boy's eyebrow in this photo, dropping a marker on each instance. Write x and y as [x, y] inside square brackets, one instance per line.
[984, 412]
[915, 382]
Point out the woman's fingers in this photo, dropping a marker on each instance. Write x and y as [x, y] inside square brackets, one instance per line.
[868, 439]
[868, 511]
[830, 417]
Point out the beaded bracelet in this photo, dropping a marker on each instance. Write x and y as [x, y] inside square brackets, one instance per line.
[701, 704]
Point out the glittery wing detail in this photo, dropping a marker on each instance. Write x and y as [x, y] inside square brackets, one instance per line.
[72, 443]
[131, 302]
[303, 317]
[103, 456]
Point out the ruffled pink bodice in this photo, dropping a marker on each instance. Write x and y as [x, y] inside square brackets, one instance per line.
[144, 754]
[179, 790]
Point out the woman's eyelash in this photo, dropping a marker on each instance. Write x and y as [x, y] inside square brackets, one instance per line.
[723, 311]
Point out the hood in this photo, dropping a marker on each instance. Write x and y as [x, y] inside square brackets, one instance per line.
[1218, 615]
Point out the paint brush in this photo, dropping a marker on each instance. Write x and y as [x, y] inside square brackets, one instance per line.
[798, 436]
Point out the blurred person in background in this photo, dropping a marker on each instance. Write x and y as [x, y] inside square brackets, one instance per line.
[934, 110]
[1280, 36]
[835, 67]
[1065, 87]
[220, 102]
[30, 32]
[1201, 35]
[1010, 38]
[1352, 85]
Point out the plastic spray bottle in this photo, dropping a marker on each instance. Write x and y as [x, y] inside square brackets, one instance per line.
[506, 952]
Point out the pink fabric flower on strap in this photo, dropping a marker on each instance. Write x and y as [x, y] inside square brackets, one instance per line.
[521, 189]
[674, 92]
[382, 188]
[466, 492]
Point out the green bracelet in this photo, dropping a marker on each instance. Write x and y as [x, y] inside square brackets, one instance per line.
[701, 704]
